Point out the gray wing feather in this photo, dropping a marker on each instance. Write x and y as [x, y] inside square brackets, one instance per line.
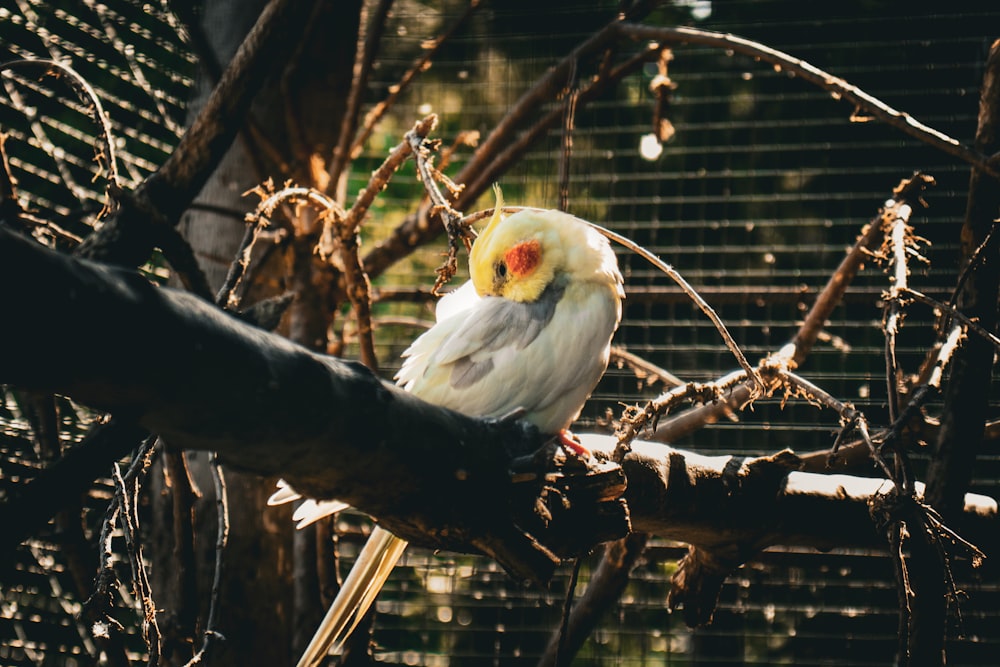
[502, 323]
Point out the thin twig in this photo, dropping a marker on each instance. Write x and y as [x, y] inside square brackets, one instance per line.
[977, 258]
[99, 605]
[105, 152]
[221, 539]
[561, 657]
[851, 419]
[951, 311]
[934, 519]
[757, 387]
[570, 96]
[127, 494]
[440, 205]
[364, 61]
[904, 591]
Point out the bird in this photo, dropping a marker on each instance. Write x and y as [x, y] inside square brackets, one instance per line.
[528, 335]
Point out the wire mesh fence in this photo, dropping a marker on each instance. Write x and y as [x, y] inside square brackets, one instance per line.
[764, 184]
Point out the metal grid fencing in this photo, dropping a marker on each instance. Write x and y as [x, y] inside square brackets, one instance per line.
[764, 186]
[754, 200]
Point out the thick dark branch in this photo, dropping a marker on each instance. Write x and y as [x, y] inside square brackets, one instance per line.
[729, 508]
[204, 380]
[966, 395]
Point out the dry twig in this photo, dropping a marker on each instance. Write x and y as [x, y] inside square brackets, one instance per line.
[440, 206]
[122, 510]
[364, 61]
[105, 150]
[128, 508]
[212, 635]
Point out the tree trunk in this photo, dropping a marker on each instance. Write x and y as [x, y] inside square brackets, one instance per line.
[269, 582]
[967, 394]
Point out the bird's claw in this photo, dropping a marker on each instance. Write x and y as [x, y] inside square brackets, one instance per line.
[570, 443]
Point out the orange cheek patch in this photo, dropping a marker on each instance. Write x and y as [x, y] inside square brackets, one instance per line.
[523, 258]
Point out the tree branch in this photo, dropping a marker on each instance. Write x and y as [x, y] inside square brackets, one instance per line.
[204, 380]
[797, 350]
[837, 87]
[128, 237]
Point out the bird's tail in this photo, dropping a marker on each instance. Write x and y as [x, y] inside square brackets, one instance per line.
[363, 583]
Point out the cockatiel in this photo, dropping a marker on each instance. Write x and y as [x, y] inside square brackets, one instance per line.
[531, 331]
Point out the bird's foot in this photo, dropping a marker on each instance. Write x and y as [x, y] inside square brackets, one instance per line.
[571, 443]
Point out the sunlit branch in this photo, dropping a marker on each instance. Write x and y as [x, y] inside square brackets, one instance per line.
[898, 234]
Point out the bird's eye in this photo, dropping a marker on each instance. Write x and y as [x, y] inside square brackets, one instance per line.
[501, 270]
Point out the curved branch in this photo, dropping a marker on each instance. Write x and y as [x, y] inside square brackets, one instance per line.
[89, 97]
[838, 88]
